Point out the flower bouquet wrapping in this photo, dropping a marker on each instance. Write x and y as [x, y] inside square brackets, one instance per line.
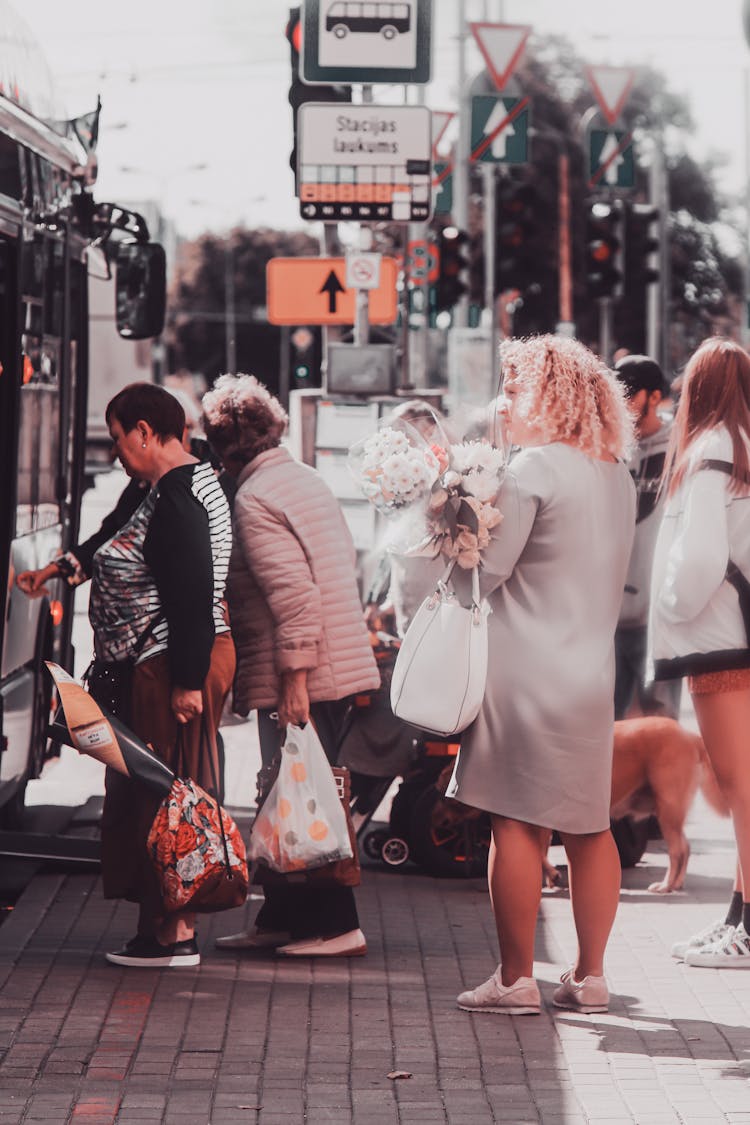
[448, 490]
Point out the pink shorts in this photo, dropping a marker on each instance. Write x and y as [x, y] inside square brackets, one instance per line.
[737, 679]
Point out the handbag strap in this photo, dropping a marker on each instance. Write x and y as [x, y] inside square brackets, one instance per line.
[205, 747]
[444, 579]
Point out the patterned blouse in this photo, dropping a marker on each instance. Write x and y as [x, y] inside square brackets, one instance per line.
[158, 583]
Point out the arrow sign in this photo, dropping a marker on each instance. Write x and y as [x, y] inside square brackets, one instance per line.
[441, 119]
[612, 86]
[304, 291]
[500, 128]
[332, 286]
[611, 159]
[501, 45]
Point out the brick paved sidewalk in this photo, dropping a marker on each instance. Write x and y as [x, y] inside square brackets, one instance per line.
[248, 1039]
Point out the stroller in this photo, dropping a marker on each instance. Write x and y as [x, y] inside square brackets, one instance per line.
[442, 836]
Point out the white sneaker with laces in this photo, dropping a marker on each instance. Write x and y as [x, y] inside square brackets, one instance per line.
[518, 999]
[717, 931]
[588, 995]
[732, 952]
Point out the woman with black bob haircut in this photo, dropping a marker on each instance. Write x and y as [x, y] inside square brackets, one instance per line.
[157, 602]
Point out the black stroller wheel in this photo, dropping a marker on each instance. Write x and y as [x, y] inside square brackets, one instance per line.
[447, 838]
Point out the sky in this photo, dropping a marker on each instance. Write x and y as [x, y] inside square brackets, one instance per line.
[194, 95]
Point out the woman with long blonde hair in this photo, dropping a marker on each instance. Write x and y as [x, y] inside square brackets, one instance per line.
[539, 755]
[700, 609]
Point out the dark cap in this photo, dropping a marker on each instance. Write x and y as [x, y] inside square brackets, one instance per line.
[640, 373]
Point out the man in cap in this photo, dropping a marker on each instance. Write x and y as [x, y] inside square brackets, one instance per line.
[645, 385]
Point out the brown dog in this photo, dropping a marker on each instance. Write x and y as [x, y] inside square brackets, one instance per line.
[658, 767]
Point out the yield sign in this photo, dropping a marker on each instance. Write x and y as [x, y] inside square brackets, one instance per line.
[501, 45]
[611, 85]
[314, 291]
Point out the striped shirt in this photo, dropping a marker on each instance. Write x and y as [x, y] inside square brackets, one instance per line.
[158, 583]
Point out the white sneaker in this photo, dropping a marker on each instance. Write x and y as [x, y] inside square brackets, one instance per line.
[732, 952]
[717, 931]
[518, 999]
[350, 944]
[588, 995]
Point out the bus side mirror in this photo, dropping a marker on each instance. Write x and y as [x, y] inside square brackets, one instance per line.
[141, 289]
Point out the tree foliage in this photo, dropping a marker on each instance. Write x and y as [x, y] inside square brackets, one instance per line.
[198, 301]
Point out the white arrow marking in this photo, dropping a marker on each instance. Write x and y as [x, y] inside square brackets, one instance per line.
[610, 149]
[499, 113]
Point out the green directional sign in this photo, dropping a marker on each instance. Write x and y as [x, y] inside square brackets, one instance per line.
[611, 162]
[500, 129]
[442, 181]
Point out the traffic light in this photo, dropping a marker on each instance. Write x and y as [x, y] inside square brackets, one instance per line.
[641, 242]
[514, 226]
[299, 91]
[604, 272]
[304, 357]
[452, 282]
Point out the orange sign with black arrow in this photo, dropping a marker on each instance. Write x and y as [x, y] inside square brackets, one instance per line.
[314, 291]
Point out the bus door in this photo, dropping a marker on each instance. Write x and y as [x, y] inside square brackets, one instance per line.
[37, 511]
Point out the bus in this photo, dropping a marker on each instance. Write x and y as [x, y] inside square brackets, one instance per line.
[52, 233]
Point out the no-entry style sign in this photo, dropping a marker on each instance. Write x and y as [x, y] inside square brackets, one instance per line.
[314, 291]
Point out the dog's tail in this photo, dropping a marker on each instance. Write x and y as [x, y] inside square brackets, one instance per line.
[709, 786]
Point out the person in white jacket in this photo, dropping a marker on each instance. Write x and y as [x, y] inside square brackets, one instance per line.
[700, 609]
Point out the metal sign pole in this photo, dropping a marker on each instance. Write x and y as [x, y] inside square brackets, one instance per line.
[605, 329]
[461, 169]
[489, 179]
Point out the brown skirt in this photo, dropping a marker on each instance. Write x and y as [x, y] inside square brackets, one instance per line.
[129, 807]
[707, 683]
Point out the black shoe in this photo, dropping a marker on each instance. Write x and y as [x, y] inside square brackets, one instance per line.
[148, 953]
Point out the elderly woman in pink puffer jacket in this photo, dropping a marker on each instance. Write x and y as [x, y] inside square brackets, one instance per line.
[302, 645]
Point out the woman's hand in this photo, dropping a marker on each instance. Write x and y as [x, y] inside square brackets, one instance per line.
[31, 582]
[186, 704]
[294, 705]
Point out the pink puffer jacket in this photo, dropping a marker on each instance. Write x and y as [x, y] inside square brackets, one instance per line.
[292, 591]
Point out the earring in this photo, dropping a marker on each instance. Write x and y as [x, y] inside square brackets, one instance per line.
[144, 445]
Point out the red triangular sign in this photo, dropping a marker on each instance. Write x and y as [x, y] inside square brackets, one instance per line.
[612, 86]
[501, 45]
[441, 119]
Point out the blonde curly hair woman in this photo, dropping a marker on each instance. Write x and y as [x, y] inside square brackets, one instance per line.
[539, 755]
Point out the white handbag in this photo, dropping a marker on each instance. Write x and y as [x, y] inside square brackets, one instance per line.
[441, 670]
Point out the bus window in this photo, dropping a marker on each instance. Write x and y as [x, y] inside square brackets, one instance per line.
[387, 19]
[10, 168]
[54, 279]
[38, 504]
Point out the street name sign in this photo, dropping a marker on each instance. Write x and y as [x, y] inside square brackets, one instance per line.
[612, 86]
[348, 42]
[364, 163]
[499, 129]
[314, 291]
[611, 162]
[502, 45]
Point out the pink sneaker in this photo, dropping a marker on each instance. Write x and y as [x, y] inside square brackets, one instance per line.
[589, 995]
[518, 999]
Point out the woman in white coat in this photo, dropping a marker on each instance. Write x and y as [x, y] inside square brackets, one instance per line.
[700, 609]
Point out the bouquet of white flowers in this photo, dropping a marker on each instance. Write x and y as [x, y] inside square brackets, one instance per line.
[453, 487]
[393, 470]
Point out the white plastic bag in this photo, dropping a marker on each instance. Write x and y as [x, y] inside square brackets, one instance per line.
[302, 823]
